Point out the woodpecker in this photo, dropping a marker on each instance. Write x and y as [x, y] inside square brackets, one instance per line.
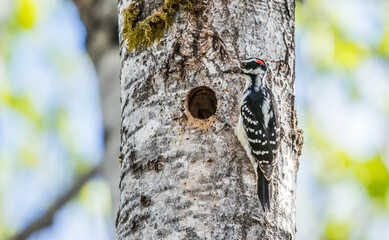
[258, 126]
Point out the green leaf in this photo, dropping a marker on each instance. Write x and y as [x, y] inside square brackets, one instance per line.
[26, 13]
[383, 47]
[337, 230]
[374, 176]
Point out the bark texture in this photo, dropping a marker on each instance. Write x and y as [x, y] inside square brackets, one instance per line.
[187, 178]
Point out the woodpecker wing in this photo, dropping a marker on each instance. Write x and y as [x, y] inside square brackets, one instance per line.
[260, 123]
[274, 128]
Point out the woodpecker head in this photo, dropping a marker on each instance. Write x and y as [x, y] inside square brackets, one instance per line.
[250, 66]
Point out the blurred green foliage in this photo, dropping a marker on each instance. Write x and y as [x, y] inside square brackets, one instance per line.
[45, 149]
[337, 230]
[21, 16]
[333, 51]
[22, 104]
[383, 47]
[373, 175]
[25, 13]
[95, 196]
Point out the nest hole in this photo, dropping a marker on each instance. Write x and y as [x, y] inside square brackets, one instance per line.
[201, 102]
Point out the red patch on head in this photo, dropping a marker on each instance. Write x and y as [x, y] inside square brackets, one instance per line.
[260, 62]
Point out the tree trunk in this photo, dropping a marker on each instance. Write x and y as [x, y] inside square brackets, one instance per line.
[184, 173]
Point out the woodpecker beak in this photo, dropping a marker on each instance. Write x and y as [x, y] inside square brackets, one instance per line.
[234, 70]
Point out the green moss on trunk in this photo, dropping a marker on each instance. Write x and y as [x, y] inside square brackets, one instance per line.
[152, 28]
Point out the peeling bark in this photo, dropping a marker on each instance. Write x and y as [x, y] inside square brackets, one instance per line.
[182, 180]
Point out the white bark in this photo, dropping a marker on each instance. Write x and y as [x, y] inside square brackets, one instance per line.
[178, 180]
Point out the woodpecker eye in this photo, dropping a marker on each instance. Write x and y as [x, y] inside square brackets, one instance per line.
[243, 65]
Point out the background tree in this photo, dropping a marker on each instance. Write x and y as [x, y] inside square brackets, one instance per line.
[184, 174]
[100, 20]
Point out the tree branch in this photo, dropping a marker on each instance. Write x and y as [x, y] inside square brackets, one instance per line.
[47, 218]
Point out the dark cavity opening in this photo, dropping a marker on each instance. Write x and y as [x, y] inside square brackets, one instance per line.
[201, 102]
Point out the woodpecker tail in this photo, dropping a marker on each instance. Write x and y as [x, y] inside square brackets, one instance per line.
[263, 190]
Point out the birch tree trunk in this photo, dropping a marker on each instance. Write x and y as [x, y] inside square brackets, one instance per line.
[184, 173]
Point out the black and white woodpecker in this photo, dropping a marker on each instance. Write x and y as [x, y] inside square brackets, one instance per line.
[258, 126]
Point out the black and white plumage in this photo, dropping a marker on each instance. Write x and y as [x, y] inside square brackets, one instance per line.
[258, 125]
